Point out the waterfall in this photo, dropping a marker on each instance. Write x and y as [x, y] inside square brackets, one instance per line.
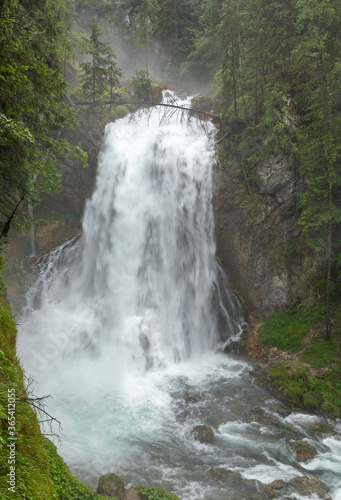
[124, 323]
[143, 283]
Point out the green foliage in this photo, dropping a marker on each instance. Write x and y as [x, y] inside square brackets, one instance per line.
[32, 107]
[151, 493]
[321, 352]
[67, 486]
[32, 475]
[141, 84]
[102, 72]
[3, 286]
[287, 329]
[300, 385]
[121, 111]
[291, 381]
[309, 393]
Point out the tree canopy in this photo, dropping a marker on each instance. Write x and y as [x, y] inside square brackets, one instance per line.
[102, 72]
[32, 106]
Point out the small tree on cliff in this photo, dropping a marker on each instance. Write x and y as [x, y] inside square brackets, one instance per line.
[102, 72]
[146, 16]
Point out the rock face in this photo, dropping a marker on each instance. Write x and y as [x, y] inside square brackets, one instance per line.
[258, 239]
[203, 433]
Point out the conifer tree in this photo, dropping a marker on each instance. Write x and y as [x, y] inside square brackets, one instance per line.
[102, 72]
[146, 16]
[32, 106]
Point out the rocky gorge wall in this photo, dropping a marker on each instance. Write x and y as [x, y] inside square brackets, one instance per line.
[258, 239]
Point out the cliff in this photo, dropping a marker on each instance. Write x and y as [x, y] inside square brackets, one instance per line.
[257, 235]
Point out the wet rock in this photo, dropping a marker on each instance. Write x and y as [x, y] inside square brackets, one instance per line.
[254, 489]
[273, 489]
[224, 475]
[278, 484]
[321, 427]
[310, 485]
[111, 486]
[203, 433]
[132, 494]
[274, 175]
[263, 417]
[260, 249]
[304, 451]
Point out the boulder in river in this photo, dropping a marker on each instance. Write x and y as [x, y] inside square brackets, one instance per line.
[263, 417]
[304, 451]
[224, 475]
[235, 483]
[273, 489]
[310, 485]
[203, 433]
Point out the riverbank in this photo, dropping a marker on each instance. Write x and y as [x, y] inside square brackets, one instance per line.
[295, 359]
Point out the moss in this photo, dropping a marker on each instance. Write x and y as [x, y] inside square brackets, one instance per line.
[66, 485]
[121, 111]
[151, 493]
[287, 329]
[321, 352]
[304, 386]
[291, 382]
[203, 433]
[203, 103]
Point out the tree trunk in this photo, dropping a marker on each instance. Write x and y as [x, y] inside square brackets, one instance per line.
[240, 58]
[93, 81]
[147, 50]
[234, 81]
[329, 264]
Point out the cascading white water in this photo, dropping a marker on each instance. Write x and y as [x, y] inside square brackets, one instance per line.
[123, 322]
[143, 284]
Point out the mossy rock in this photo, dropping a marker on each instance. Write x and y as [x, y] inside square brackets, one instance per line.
[304, 451]
[151, 493]
[203, 433]
[121, 111]
[111, 486]
[155, 94]
[203, 103]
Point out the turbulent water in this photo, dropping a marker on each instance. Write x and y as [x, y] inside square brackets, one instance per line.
[124, 326]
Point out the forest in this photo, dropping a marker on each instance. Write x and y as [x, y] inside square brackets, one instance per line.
[274, 70]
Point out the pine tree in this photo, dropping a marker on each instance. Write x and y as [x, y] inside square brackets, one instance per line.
[32, 108]
[146, 16]
[102, 72]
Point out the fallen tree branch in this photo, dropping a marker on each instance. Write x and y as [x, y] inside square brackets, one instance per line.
[196, 111]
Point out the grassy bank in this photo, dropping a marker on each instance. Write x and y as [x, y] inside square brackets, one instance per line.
[311, 378]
